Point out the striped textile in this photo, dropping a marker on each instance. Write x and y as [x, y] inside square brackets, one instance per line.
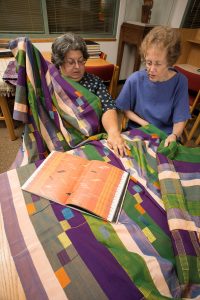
[59, 113]
[153, 252]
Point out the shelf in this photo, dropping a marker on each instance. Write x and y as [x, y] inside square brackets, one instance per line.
[194, 41]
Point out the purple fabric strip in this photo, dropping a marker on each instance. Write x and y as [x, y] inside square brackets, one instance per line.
[162, 158]
[112, 278]
[55, 74]
[10, 74]
[180, 166]
[31, 283]
[186, 167]
[21, 79]
[47, 90]
[186, 240]
[144, 136]
[155, 211]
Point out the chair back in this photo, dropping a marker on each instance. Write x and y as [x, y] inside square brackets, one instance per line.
[103, 55]
[109, 74]
[191, 129]
[193, 78]
[193, 86]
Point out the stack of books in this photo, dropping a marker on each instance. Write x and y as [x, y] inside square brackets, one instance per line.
[93, 49]
[5, 52]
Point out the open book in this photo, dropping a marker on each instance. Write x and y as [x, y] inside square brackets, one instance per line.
[91, 186]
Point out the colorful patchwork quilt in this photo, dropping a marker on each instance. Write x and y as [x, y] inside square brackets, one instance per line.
[153, 252]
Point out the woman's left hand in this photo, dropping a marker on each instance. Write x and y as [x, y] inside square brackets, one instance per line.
[118, 144]
[171, 138]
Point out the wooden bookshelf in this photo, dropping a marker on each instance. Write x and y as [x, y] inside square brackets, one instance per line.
[190, 39]
[194, 42]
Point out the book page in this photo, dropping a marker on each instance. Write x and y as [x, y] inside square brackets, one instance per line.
[99, 188]
[56, 177]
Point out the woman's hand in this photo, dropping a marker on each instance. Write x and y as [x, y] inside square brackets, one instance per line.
[176, 133]
[171, 138]
[112, 125]
[117, 143]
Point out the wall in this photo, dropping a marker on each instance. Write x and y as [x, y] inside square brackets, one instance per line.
[165, 12]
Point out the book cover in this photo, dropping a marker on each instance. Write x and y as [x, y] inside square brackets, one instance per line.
[92, 186]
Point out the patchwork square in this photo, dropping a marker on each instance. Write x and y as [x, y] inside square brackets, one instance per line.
[104, 232]
[77, 93]
[64, 240]
[149, 234]
[31, 136]
[35, 198]
[67, 213]
[65, 225]
[63, 278]
[63, 257]
[31, 208]
[137, 188]
[79, 101]
[60, 137]
[139, 208]
[138, 198]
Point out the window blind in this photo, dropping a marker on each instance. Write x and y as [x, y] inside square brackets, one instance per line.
[192, 15]
[21, 16]
[51, 17]
[81, 16]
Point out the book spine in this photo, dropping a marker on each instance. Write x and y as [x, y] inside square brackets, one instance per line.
[118, 198]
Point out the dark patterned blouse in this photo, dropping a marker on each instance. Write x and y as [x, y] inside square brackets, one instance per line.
[95, 85]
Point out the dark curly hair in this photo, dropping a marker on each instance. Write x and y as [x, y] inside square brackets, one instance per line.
[163, 37]
[64, 43]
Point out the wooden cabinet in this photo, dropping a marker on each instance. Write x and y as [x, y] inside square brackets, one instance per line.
[190, 39]
[132, 33]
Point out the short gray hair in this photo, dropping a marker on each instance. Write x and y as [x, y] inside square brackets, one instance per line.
[63, 44]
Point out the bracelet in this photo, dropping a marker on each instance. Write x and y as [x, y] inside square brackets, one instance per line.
[175, 135]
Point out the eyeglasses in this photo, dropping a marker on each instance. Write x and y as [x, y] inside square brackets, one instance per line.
[72, 62]
[149, 63]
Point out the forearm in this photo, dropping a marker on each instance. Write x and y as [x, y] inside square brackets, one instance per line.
[135, 118]
[176, 133]
[178, 129]
[112, 126]
[111, 122]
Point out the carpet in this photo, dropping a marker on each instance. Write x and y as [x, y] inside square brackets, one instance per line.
[8, 148]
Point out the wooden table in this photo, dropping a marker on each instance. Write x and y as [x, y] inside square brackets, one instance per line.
[6, 90]
[132, 33]
[90, 61]
[10, 284]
